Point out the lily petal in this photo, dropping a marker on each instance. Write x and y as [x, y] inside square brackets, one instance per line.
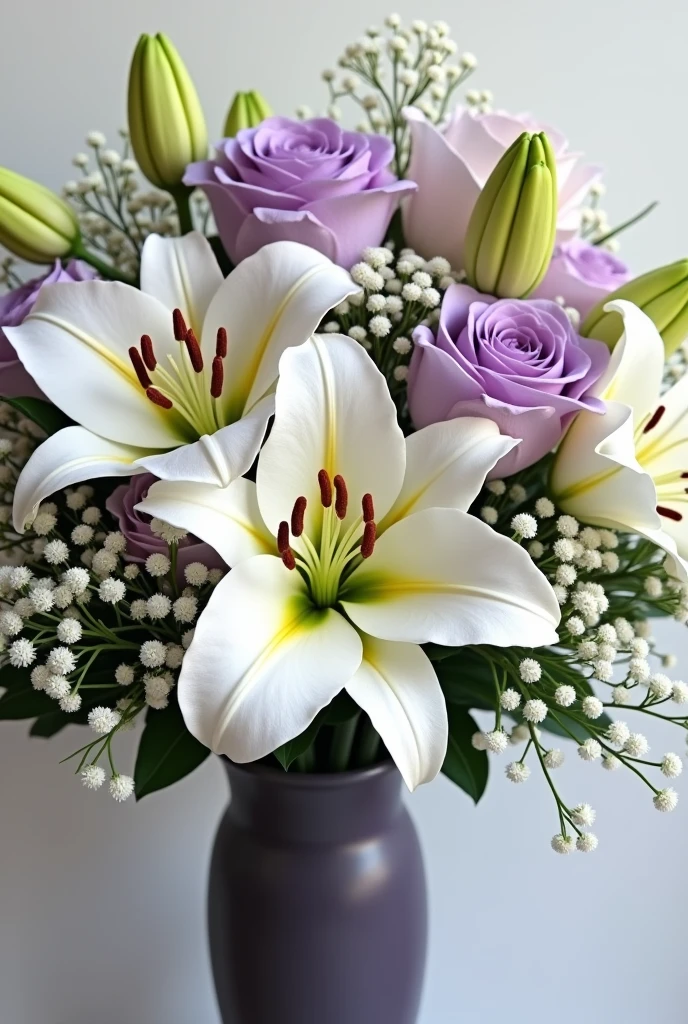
[333, 412]
[216, 459]
[446, 465]
[75, 343]
[597, 478]
[662, 451]
[443, 576]
[182, 273]
[271, 301]
[227, 518]
[636, 367]
[69, 457]
[263, 661]
[396, 685]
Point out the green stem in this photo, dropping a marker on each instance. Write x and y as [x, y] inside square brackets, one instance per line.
[367, 745]
[104, 269]
[306, 762]
[342, 744]
[181, 196]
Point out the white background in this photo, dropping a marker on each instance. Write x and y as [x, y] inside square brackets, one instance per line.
[101, 907]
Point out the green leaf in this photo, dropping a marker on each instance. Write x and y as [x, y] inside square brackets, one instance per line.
[464, 765]
[466, 679]
[51, 723]
[341, 709]
[47, 416]
[167, 751]
[288, 752]
[22, 701]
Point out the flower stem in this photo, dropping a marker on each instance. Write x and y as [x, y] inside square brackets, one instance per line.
[342, 744]
[367, 745]
[105, 270]
[181, 196]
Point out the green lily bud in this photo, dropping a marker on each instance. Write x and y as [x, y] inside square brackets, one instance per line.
[248, 109]
[166, 123]
[511, 232]
[661, 293]
[35, 224]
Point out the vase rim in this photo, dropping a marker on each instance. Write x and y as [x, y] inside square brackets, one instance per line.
[319, 780]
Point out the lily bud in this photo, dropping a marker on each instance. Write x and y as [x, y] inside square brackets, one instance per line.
[248, 109]
[166, 123]
[662, 294]
[511, 232]
[35, 224]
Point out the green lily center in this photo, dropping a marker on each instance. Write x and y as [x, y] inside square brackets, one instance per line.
[325, 562]
[186, 388]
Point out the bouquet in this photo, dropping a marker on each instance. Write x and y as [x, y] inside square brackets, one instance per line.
[316, 446]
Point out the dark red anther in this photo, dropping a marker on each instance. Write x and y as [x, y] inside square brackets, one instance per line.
[157, 398]
[654, 419]
[368, 542]
[139, 368]
[669, 513]
[684, 476]
[341, 497]
[288, 558]
[325, 488]
[297, 516]
[147, 352]
[283, 537]
[368, 508]
[218, 377]
[221, 343]
[194, 350]
[179, 325]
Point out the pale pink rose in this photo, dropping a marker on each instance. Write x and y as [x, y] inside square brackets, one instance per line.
[451, 165]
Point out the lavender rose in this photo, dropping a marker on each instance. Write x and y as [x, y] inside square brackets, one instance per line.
[517, 362]
[15, 306]
[301, 181]
[582, 274]
[141, 542]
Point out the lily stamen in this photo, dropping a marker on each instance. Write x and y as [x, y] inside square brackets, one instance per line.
[218, 377]
[654, 419]
[194, 350]
[157, 398]
[368, 542]
[147, 352]
[179, 325]
[298, 516]
[139, 368]
[341, 497]
[325, 488]
[368, 508]
[221, 343]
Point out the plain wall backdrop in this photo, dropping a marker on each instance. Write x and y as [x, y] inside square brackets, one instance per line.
[102, 906]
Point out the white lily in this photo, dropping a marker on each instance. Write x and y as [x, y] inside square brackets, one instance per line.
[320, 598]
[175, 378]
[628, 469]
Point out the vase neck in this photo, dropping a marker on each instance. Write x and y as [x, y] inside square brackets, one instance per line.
[350, 806]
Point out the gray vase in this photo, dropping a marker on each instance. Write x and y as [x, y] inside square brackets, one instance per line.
[317, 901]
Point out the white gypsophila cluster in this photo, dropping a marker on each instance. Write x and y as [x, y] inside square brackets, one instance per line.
[426, 71]
[116, 210]
[398, 292]
[75, 606]
[603, 661]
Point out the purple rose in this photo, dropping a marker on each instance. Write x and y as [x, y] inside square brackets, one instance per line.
[583, 274]
[15, 306]
[141, 542]
[515, 361]
[301, 181]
